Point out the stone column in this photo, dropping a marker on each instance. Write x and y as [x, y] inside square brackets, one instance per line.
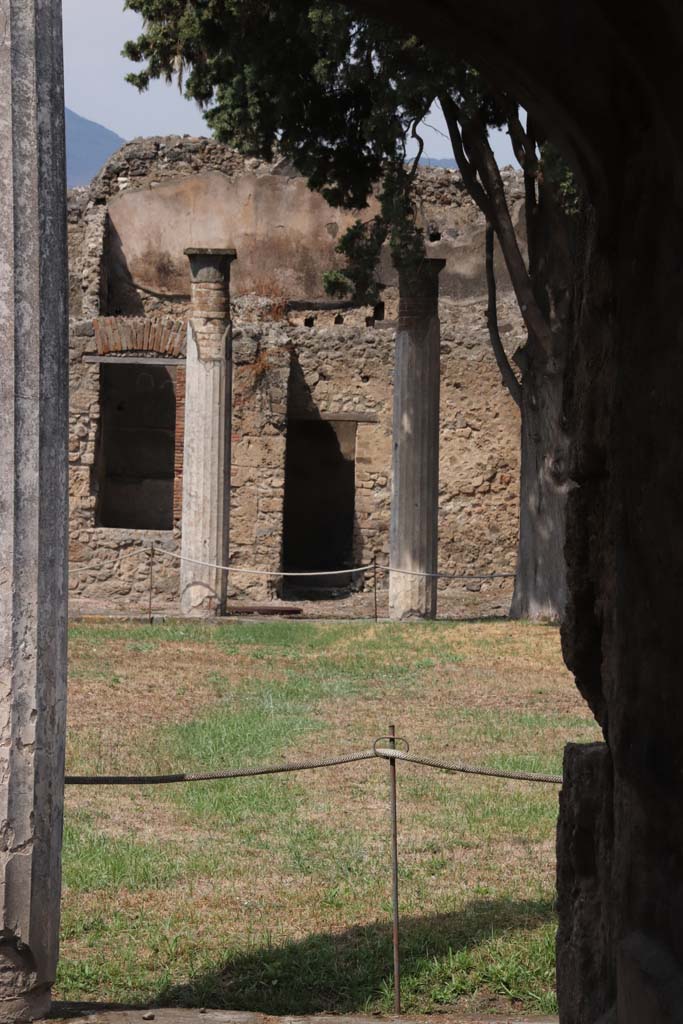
[206, 459]
[415, 481]
[33, 500]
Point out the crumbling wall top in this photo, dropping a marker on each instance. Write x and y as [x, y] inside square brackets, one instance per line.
[155, 196]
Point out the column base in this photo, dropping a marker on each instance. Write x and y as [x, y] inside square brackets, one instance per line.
[21, 999]
[199, 600]
[410, 615]
[34, 1005]
[408, 600]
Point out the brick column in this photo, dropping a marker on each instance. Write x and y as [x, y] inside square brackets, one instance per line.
[33, 500]
[206, 452]
[415, 475]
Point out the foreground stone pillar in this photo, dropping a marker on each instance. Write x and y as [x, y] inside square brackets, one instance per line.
[206, 459]
[415, 484]
[33, 500]
[586, 987]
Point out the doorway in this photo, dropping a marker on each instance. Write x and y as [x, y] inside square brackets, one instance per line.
[319, 505]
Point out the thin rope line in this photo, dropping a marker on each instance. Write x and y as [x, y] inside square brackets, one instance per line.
[230, 773]
[468, 769]
[333, 572]
[449, 576]
[261, 572]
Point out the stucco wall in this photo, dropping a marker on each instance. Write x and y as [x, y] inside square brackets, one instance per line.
[284, 234]
[158, 196]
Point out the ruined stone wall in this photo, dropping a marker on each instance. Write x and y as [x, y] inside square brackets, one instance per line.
[345, 372]
[285, 234]
[479, 445]
[290, 365]
[286, 371]
[261, 362]
[107, 567]
[111, 567]
[77, 203]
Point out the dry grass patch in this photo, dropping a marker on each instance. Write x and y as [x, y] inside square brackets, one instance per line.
[273, 894]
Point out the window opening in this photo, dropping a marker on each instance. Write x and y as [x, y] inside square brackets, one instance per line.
[137, 441]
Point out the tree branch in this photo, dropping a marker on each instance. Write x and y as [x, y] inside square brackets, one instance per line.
[535, 137]
[481, 177]
[522, 143]
[509, 379]
[420, 149]
[475, 139]
[451, 115]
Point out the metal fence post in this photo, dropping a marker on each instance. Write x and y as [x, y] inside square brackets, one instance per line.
[394, 872]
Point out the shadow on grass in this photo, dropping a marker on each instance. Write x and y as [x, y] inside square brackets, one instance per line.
[352, 970]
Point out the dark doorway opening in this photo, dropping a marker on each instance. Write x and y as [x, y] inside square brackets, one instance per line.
[137, 441]
[319, 506]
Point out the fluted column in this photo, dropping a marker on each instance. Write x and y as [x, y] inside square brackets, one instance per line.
[415, 476]
[208, 414]
[33, 500]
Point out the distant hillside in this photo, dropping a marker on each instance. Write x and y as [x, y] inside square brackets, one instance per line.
[430, 161]
[88, 146]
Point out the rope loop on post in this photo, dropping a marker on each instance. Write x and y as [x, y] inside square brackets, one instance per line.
[392, 739]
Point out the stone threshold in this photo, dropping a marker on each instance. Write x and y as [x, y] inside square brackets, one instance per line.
[78, 1013]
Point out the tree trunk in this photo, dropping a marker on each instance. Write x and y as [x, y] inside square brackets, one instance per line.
[545, 295]
[540, 582]
[541, 579]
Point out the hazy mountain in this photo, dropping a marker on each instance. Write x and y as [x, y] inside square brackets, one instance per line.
[432, 161]
[88, 146]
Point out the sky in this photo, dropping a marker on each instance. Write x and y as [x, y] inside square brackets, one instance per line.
[94, 72]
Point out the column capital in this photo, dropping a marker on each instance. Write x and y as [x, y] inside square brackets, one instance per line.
[209, 265]
[419, 289]
[210, 310]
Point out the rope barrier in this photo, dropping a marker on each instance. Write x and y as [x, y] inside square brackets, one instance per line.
[469, 769]
[391, 754]
[334, 572]
[383, 753]
[261, 572]
[449, 576]
[230, 773]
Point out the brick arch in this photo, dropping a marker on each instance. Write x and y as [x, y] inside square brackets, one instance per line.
[163, 336]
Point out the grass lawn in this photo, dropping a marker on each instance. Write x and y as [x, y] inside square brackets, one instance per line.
[273, 894]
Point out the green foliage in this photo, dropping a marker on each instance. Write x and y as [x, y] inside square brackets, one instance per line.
[337, 284]
[361, 245]
[558, 173]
